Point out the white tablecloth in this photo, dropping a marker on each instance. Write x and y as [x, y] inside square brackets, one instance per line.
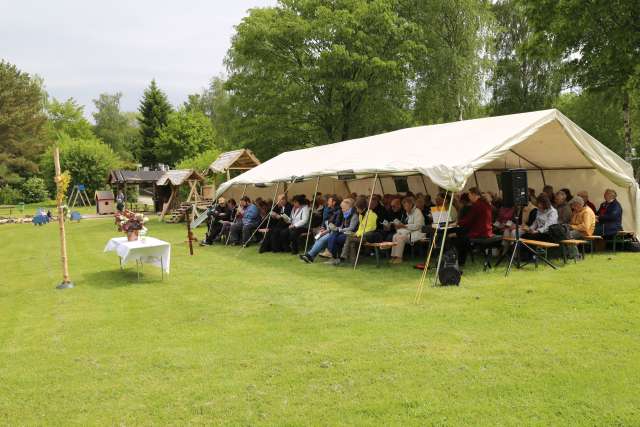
[149, 251]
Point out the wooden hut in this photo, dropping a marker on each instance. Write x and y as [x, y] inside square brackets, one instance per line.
[171, 181]
[238, 160]
[121, 179]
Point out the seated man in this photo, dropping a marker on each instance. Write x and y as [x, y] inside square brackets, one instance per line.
[564, 211]
[477, 224]
[241, 231]
[609, 215]
[281, 210]
[395, 215]
[367, 222]
[216, 214]
[583, 220]
[587, 202]
[334, 223]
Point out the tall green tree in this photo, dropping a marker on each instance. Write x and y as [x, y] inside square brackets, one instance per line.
[214, 102]
[527, 74]
[600, 42]
[154, 114]
[115, 128]
[451, 61]
[23, 133]
[67, 117]
[310, 72]
[186, 134]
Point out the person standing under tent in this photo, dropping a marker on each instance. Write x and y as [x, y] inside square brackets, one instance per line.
[609, 215]
[477, 224]
[410, 230]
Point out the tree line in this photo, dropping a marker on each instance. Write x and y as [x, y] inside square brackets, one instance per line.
[310, 72]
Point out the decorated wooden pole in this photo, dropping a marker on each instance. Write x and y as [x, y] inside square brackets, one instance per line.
[62, 182]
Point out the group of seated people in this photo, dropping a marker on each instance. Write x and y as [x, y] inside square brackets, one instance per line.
[334, 227]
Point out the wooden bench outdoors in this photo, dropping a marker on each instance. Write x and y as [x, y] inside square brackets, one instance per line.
[378, 247]
[592, 240]
[565, 244]
[538, 244]
[622, 237]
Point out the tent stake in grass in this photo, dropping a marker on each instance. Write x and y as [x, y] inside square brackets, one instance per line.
[61, 184]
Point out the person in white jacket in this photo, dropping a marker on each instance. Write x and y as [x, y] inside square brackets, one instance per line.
[298, 222]
[409, 230]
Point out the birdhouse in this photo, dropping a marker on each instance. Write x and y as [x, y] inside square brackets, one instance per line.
[105, 202]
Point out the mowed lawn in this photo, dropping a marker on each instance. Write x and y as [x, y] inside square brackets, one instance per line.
[247, 339]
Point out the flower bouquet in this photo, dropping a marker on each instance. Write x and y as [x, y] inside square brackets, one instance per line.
[131, 223]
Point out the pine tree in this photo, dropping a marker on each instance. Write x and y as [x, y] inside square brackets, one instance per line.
[154, 114]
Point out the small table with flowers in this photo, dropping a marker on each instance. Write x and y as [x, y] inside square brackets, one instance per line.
[146, 250]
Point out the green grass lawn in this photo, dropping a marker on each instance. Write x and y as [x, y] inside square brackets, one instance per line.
[265, 339]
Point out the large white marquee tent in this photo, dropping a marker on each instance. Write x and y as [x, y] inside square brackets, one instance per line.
[454, 156]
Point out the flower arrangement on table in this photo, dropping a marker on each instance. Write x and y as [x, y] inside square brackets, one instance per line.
[131, 223]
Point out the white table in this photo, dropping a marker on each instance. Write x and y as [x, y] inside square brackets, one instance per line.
[149, 250]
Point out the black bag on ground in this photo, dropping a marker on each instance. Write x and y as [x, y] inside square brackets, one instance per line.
[450, 273]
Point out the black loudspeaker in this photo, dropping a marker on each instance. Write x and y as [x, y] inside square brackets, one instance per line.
[450, 273]
[514, 188]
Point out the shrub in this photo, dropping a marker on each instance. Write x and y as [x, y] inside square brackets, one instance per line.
[10, 195]
[34, 190]
[89, 162]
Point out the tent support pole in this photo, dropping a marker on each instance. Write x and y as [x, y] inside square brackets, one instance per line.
[244, 189]
[366, 219]
[423, 277]
[444, 239]
[424, 184]
[313, 206]
[475, 177]
[381, 187]
[273, 205]
[544, 181]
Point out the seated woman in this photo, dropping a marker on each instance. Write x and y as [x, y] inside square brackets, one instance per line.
[609, 215]
[410, 230]
[367, 222]
[334, 222]
[583, 220]
[300, 217]
[547, 216]
[338, 235]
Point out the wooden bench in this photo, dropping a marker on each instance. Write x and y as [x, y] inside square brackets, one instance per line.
[591, 240]
[564, 244]
[622, 237]
[538, 244]
[378, 247]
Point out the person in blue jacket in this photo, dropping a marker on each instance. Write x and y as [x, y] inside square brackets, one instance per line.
[242, 230]
[609, 215]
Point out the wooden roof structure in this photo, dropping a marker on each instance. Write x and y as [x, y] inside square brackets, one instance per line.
[122, 176]
[178, 177]
[242, 159]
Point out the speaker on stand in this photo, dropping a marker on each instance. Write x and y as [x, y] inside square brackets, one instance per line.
[515, 195]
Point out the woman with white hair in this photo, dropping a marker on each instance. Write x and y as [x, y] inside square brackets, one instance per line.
[409, 230]
[609, 216]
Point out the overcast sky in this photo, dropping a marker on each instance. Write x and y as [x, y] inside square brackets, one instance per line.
[86, 47]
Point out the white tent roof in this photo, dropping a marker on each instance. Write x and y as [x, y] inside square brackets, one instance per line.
[448, 154]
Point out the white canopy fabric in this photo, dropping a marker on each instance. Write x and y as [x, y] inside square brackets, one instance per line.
[553, 148]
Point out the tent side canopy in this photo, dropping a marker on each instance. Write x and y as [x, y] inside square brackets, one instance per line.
[449, 154]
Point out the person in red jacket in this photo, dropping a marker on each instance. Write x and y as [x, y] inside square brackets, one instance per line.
[477, 224]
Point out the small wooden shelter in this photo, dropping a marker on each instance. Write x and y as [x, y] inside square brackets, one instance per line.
[146, 180]
[105, 202]
[174, 179]
[240, 160]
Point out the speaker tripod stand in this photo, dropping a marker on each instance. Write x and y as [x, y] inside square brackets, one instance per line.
[518, 245]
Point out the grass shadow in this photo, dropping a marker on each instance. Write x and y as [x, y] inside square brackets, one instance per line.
[116, 278]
